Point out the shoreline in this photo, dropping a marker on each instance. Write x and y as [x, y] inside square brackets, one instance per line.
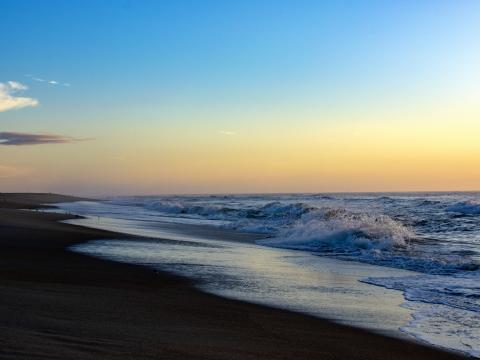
[330, 288]
[60, 304]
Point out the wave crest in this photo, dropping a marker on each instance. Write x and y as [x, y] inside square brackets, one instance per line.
[466, 208]
[339, 230]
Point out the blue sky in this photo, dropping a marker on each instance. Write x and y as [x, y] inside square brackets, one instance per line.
[235, 53]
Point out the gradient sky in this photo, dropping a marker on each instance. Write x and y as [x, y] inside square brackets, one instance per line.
[149, 97]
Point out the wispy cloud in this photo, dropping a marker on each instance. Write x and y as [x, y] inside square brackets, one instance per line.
[18, 139]
[51, 82]
[227, 132]
[9, 100]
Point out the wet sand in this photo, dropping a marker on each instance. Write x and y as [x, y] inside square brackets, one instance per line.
[56, 304]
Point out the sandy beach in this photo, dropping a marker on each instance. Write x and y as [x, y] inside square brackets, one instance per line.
[56, 304]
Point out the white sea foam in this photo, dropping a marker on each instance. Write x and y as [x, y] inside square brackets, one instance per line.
[446, 308]
[339, 229]
[461, 290]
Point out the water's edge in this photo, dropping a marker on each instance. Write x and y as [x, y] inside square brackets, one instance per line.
[175, 233]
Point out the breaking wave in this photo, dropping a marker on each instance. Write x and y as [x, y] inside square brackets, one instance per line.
[368, 236]
[339, 230]
[371, 238]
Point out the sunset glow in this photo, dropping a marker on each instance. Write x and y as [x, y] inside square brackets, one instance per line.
[336, 96]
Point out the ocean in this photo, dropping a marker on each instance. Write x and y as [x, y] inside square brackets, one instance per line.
[406, 262]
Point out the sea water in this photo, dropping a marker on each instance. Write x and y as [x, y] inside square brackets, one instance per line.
[424, 245]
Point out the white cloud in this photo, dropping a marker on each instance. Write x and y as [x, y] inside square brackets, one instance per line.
[8, 100]
[226, 132]
[16, 86]
[51, 82]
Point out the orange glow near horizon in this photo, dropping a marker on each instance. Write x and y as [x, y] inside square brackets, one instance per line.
[440, 153]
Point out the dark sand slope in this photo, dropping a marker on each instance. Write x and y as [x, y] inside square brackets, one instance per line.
[32, 201]
[55, 304]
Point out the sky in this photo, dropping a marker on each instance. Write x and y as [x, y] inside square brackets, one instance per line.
[189, 96]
